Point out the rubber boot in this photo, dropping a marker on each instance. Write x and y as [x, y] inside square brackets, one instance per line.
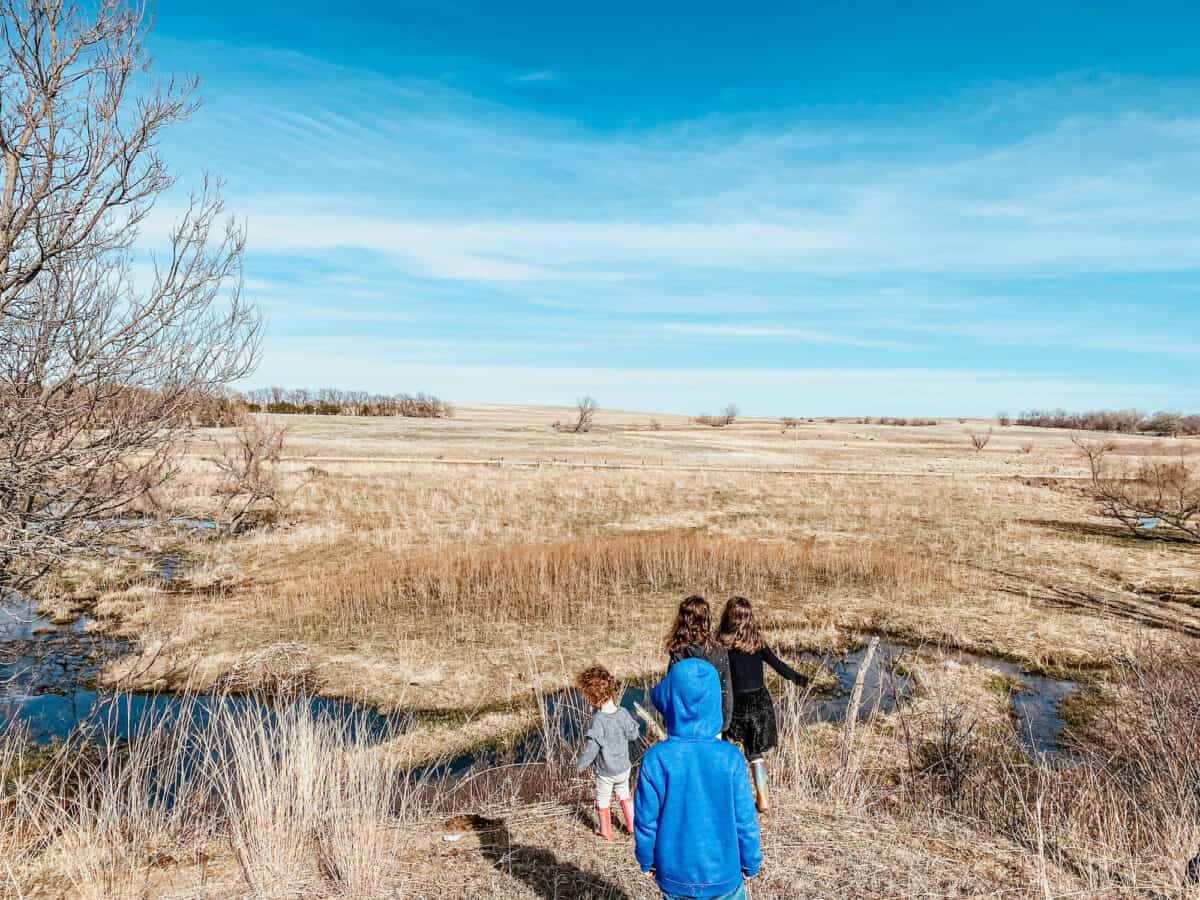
[758, 777]
[604, 822]
[627, 809]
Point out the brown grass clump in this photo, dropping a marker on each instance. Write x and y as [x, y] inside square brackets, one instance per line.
[555, 584]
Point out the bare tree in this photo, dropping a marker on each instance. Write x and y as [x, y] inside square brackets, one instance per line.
[586, 407]
[979, 440]
[1154, 493]
[1004, 419]
[102, 365]
[729, 414]
[249, 468]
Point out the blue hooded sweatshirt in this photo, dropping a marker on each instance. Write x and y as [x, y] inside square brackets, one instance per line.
[694, 817]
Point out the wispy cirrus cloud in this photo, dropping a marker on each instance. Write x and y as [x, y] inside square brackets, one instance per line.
[987, 226]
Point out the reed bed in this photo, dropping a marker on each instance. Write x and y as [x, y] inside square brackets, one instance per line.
[1120, 813]
[556, 584]
[299, 803]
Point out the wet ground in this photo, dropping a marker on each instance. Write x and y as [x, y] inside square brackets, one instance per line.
[48, 673]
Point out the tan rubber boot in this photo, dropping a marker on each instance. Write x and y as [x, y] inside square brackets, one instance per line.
[758, 778]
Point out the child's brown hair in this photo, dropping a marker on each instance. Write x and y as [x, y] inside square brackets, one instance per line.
[692, 625]
[597, 685]
[738, 629]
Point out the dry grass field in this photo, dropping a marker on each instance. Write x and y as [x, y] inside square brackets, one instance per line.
[459, 568]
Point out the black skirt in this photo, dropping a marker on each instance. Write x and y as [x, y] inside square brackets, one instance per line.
[753, 724]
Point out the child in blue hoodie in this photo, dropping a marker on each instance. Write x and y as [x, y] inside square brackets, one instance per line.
[695, 823]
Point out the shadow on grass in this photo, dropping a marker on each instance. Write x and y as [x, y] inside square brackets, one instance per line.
[538, 868]
[1112, 532]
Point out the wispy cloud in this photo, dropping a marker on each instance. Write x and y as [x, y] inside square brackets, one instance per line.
[536, 76]
[455, 224]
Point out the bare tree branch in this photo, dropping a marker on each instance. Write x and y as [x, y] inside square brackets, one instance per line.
[100, 375]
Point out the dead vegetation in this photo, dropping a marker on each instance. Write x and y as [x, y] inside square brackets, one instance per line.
[557, 585]
[1147, 494]
[466, 596]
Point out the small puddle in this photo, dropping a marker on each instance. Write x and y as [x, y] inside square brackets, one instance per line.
[1039, 724]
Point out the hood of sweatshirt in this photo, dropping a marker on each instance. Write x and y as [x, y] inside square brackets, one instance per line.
[689, 698]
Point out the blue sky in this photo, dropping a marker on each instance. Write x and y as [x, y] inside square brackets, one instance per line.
[802, 208]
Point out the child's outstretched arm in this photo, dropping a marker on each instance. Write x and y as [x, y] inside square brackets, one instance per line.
[647, 801]
[591, 747]
[782, 668]
[746, 821]
[633, 730]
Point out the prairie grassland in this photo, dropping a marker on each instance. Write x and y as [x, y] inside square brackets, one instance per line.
[459, 567]
[459, 586]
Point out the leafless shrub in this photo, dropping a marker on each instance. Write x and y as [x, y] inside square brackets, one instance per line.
[979, 440]
[949, 757]
[729, 414]
[99, 377]
[249, 466]
[1004, 419]
[1027, 447]
[789, 423]
[1155, 492]
[586, 413]
[655, 425]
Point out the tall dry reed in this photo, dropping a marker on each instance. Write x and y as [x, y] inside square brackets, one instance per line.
[553, 584]
[301, 801]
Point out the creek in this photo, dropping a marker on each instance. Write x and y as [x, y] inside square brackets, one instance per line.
[48, 675]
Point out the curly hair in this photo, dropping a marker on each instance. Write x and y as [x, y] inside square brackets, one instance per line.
[738, 629]
[597, 685]
[692, 625]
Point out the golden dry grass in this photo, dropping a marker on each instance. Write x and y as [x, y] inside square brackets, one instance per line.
[459, 566]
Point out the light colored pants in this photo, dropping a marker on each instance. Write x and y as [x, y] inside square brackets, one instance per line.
[606, 784]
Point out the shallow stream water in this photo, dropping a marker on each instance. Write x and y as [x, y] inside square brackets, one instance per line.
[48, 674]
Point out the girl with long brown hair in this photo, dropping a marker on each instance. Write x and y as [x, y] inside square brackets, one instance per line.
[691, 636]
[753, 722]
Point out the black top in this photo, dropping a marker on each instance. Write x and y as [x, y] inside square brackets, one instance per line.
[717, 655]
[746, 669]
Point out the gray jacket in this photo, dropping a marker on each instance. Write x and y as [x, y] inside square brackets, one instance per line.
[607, 742]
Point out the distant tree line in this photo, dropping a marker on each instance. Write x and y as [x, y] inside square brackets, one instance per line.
[890, 420]
[332, 402]
[1120, 421]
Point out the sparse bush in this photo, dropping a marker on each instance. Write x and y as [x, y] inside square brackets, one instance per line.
[655, 425]
[586, 408]
[1158, 491]
[1004, 419]
[979, 440]
[249, 466]
[729, 414]
[789, 423]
